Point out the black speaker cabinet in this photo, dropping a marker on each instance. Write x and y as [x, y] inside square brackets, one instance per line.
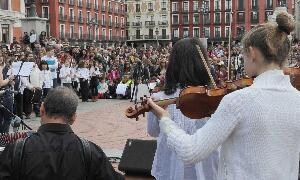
[137, 157]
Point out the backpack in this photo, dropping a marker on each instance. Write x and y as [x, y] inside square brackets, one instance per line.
[18, 154]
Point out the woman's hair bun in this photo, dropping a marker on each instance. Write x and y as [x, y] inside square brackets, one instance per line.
[285, 22]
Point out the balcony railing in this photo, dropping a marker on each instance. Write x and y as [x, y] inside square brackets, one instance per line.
[117, 25]
[163, 37]
[163, 23]
[110, 10]
[136, 24]
[103, 23]
[80, 20]
[149, 37]
[103, 8]
[72, 18]
[254, 20]
[63, 17]
[149, 23]
[62, 1]
[127, 24]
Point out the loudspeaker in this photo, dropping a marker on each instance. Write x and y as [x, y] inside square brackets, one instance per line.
[137, 157]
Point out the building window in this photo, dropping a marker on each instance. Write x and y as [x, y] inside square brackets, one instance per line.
[103, 19]
[80, 32]
[138, 34]
[241, 17]
[175, 19]
[207, 32]
[228, 4]
[196, 5]
[61, 10]
[45, 12]
[254, 4]
[269, 4]
[116, 19]
[122, 33]
[164, 5]
[227, 17]
[175, 33]
[137, 8]
[206, 18]
[185, 6]
[71, 13]
[185, 19]
[104, 34]
[80, 14]
[110, 34]
[217, 5]
[217, 32]
[174, 6]
[196, 32]
[185, 32]
[254, 17]
[241, 5]
[27, 11]
[150, 6]
[96, 17]
[268, 13]
[4, 4]
[196, 19]
[62, 31]
[71, 31]
[88, 16]
[97, 34]
[282, 3]
[217, 18]
[227, 31]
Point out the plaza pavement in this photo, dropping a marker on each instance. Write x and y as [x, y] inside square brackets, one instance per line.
[104, 123]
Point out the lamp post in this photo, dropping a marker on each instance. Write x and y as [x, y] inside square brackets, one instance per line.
[157, 32]
[204, 9]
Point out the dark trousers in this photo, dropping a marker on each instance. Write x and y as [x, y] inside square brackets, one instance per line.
[27, 101]
[75, 86]
[84, 89]
[45, 92]
[93, 86]
[55, 83]
[19, 105]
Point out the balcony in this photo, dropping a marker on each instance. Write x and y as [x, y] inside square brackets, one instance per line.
[45, 15]
[80, 4]
[196, 22]
[185, 10]
[127, 24]
[185, 22]
[117, 25]
[71, 2]
[72, 19]
[137, 37]
[163, 23]
[80, 20]
[110, 24]
[149, 23]
[163, 37]
[110, 10]
[175, 23]
[149, 37]
[116, 11]
[103, 8]
[63, 17]
[122, 25]
[217, 23]
[136, 24]
[150, 10]
[62, 1]
[254, 21]
[103, 23]
[45, 1]
[88, 5]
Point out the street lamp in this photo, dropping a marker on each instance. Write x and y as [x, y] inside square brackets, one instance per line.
[157, 32]
[204, 9]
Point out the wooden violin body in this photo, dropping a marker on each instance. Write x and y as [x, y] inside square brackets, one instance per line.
[195, 102]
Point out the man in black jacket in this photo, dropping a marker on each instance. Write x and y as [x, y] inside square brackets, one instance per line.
[55, 152]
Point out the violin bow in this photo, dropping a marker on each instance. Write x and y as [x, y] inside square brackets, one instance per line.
[206, 67]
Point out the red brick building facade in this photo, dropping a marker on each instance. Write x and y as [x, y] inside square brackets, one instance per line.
[99, 21]
[211, 18]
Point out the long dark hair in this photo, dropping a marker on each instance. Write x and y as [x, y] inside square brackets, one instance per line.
[185, 67]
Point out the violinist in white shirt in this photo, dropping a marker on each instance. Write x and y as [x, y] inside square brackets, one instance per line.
[95, 75]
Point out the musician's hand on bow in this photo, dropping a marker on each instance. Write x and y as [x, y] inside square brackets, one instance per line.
[157, 110]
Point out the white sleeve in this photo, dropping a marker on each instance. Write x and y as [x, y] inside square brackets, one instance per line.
[26, 82]
[194, 148]
[152, 121]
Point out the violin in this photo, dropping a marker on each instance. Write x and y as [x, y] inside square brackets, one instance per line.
[294, 73]
[195, 102]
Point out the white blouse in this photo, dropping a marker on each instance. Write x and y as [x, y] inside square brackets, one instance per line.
[258, 128]
[167, 165]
